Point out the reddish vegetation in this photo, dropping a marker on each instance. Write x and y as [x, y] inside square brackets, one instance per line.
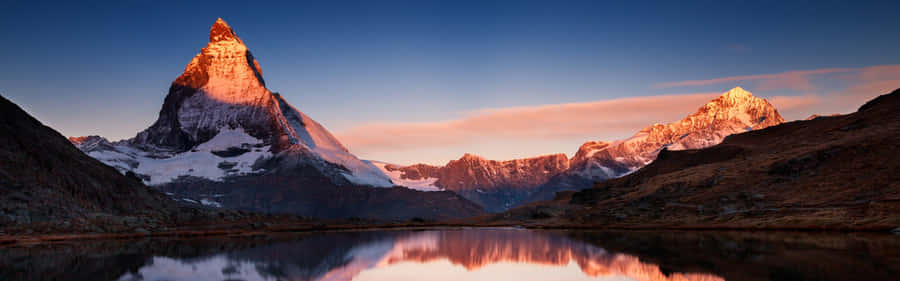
[835, 172]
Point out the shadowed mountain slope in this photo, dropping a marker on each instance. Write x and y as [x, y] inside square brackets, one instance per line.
[43, 178]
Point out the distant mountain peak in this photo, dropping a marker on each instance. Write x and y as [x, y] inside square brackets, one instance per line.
[735, 111]
[735, 97]
[737, 91]
[470, 156]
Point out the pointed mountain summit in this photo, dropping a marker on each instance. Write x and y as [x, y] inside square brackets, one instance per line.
[224, 140]
[221, 87]
[220, 108]
[220, 31]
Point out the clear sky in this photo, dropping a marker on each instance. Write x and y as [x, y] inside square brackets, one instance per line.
[426, 81]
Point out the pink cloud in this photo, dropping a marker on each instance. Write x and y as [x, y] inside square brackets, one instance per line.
[588, 120]
[505, 133]
[857, 86]
[794, 103]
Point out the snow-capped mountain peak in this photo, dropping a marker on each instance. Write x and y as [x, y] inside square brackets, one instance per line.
[221, 96]
[737, 93]
[735, 111]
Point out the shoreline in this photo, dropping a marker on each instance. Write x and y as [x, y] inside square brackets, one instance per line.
[28, 239]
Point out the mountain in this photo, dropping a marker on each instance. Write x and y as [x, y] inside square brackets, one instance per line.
[495, 185]
[733, 112]
[837, 172]
[219, 109]
[223, 139]
[44, 179]
[499, 185]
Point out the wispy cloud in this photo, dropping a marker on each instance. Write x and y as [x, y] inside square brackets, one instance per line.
[589, 120]
[794, 80]
[794, 103]
[531, 130]
[850, 87]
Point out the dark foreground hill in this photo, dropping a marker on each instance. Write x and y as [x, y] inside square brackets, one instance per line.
[838, 172]
[44, 178]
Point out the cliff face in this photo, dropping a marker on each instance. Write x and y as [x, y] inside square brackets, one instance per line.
[222, 87]
[495, 185]
[472, 172]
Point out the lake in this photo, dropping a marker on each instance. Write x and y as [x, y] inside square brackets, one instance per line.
[468, 254]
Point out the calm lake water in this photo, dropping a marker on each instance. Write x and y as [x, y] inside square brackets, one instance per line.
[468, 254]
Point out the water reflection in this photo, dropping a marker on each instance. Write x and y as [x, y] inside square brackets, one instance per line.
[472, 254]
[491, 254]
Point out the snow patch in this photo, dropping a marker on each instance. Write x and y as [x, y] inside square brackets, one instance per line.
[210, 203]
[426, 184]
[313, 136]
[199, 162]
[228, 138]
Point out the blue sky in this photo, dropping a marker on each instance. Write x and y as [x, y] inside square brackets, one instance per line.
[95, 67]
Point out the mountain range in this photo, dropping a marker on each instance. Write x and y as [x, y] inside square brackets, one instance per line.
[499, 185]
[835, 172]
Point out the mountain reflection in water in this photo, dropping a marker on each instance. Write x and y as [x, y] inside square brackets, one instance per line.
[437, 255]
[466, 254]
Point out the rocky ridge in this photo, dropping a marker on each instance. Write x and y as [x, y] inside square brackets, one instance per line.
[498, 185]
